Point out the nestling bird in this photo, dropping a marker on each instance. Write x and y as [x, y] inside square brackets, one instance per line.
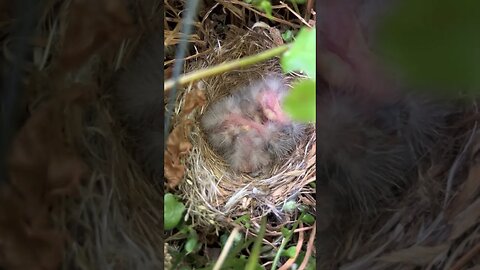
[249, 129]
[372, 132]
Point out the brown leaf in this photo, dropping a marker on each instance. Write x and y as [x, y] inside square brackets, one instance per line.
[178, 146]
[192, 100]
[177, 140]
[168, 73]
[39, 249]
[174, 171]
[184, 147]
[239, 13]
[93, 25]
[64, 174]
[41, 167]
[276, 36]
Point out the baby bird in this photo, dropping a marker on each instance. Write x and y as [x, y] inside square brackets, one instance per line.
[249, 129]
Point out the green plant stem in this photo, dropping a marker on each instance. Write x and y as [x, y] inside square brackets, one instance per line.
[253, 260]
[240, 63]
[285, 242]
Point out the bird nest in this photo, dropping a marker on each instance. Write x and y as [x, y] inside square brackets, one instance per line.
[214, 193]
[434, 226]
[109, 218]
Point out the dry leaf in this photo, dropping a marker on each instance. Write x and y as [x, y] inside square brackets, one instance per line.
[173, 170]
[192, 100]
[64, 174]
[235, 10]
[93, 25]
[276, 36]
[41, 167]
[176, 138]
[178, 146]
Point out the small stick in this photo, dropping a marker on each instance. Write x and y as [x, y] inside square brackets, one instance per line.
[226, 249]
[310, 247]
[241, 63]
[290, 261]
[296, 14]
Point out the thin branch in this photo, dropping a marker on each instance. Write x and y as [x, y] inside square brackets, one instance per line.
[310, 248]
[240, 63]
[226, 249]
[298, 248]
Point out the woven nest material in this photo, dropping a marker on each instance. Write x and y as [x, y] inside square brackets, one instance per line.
[112, 219]
[434, 226]
[215, 195]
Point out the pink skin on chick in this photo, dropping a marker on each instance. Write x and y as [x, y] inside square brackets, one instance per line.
[249, 153]
[270, 104]
[243, 123]
[269, 95]
[249, 127]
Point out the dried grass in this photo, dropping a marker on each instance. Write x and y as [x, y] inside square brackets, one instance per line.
[420, 231]
[114, 221]
[215, 195]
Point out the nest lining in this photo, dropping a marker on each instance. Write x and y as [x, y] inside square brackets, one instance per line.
[105, 232]
[213, 192]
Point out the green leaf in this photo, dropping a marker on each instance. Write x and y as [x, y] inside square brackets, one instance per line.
[263, 5]
[309, 219]
[223, 239]
[301, 55]
[238, 238]
[184, 229]
[287, 36]
[289, 206]
[285, 232]
[302, 208]
[290, 252]
[266, 6]
[299, 104]
[173, 211]
[434, 42]
[235, 263]
[245, 220]
[312, 262]
[191, 243]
